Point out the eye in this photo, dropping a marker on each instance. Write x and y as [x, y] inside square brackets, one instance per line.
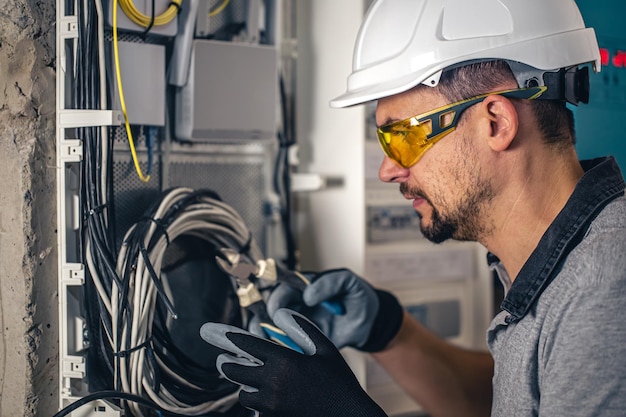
[398, 132]
[427, 126]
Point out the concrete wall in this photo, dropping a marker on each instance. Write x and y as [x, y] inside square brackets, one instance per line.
[28, 284]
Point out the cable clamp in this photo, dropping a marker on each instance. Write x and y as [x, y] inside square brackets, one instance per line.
[74, 273]
[71, 150]
[73, 367]
[127, 352]
[161, 227]
[68, 27]
[175, 4]
[97, 210]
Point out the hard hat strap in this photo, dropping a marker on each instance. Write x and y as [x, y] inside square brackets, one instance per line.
[566, 84]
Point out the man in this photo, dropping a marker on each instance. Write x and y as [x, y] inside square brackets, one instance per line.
[473, 121]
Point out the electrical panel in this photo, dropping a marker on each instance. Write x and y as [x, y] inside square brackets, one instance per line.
[123, 154]
[388, 223]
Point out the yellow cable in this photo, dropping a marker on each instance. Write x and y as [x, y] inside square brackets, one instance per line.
[122, 103]
[219, 9]
[137, 17]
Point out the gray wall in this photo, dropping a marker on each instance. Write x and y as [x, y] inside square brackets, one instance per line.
[28, 284]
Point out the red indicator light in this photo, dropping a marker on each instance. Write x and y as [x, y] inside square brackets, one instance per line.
[604, 56]
[616, 59]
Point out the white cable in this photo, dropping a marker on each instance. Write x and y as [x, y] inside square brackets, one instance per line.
[207, 219]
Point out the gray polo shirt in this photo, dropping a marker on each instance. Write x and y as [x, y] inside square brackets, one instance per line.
[559, 344]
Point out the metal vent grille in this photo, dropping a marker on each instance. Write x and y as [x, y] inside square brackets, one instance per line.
[235, 12]
[131, 196]
[240, 181]
[239, 174]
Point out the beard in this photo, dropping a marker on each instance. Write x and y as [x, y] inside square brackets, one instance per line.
[464, 221]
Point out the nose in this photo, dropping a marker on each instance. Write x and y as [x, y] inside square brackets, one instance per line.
[390, 171]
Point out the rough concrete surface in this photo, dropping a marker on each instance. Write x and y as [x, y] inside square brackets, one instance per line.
[28, 261]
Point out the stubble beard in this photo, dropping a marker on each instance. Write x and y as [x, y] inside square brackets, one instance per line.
[464, 222]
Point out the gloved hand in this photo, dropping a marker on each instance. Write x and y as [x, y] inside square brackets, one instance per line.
[281, 382]
[372, 317]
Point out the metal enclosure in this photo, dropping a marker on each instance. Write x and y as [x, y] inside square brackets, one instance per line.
[231, 93]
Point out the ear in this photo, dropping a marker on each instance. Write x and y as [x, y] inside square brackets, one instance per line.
[503, 119]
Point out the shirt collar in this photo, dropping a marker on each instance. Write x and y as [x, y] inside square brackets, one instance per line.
[601, 183]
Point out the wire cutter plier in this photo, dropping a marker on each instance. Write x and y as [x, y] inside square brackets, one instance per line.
[244, 272]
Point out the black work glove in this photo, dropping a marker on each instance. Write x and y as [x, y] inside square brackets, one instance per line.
[281, 382]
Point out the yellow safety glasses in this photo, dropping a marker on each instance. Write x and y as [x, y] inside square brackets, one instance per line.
[406, 141]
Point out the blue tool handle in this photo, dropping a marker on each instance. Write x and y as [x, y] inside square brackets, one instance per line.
[335, 307]
[299, 281]
[271, 331]
[278, 336]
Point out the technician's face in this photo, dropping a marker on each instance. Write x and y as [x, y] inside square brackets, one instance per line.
[448, 187]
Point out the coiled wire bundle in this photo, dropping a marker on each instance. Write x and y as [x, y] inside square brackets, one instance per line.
[145, 362]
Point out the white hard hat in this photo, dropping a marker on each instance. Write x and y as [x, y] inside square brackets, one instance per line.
[403, 43]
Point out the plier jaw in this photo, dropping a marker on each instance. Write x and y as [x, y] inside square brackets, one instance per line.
[243, 270]
[230, 262]
[243, 273]
[246, 272]
[249, 296]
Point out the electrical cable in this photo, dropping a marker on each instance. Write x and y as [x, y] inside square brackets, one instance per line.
[165, 377]
[282, 177]
[128, 346]
[219, 8]
[152, 17]
[94, 179]
[118, 74]
[102, 74]
[180, 212]
[101, 395]
[151, 139]
[137, 17]
[146, 361]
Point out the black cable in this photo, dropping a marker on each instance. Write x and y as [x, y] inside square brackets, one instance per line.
[98, 248]
[93, 231]
[145, 32]
[138, 244]
[108, 394]
[282, 178]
